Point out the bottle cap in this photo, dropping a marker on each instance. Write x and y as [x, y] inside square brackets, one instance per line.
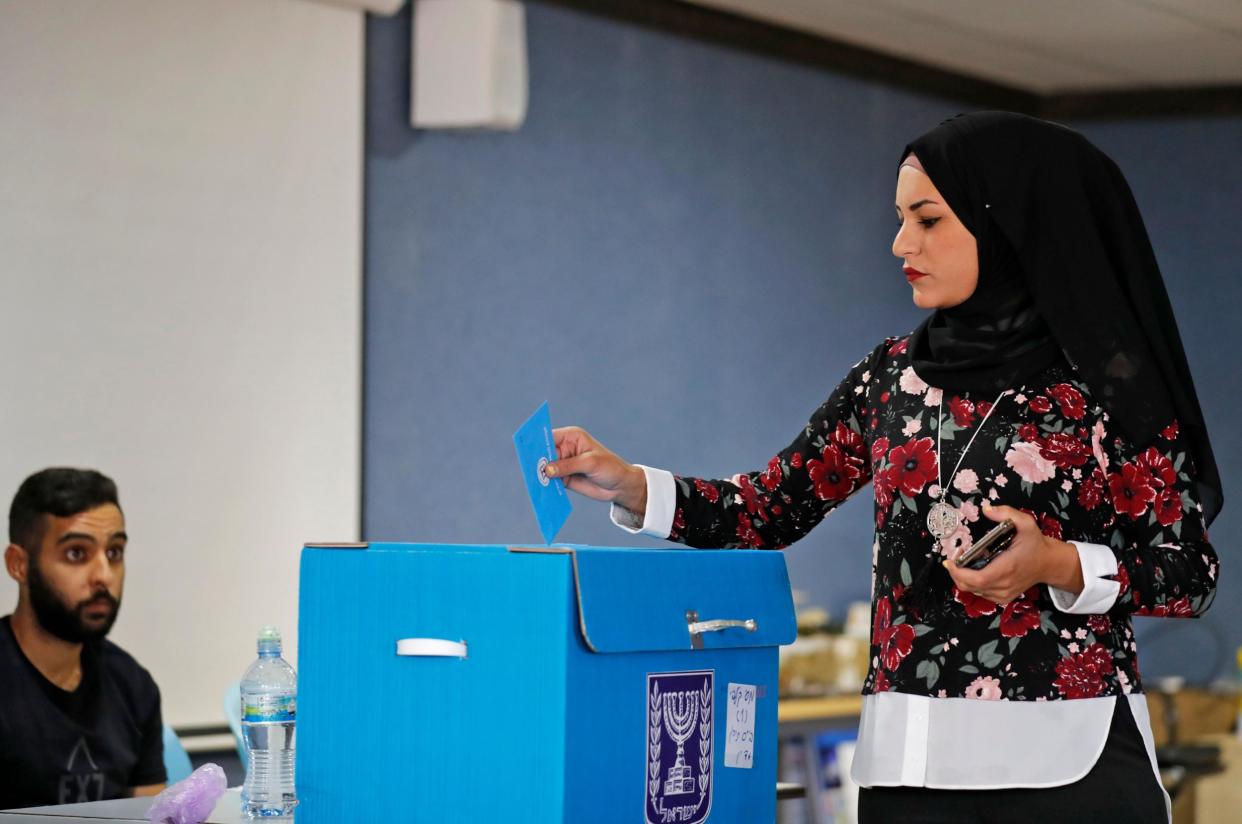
[269, 633]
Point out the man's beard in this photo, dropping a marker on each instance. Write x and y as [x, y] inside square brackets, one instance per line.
[59, 620]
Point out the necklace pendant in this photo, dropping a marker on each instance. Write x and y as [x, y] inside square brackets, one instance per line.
[943, 520]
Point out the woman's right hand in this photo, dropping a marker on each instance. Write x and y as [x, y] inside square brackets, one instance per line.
[592, 470]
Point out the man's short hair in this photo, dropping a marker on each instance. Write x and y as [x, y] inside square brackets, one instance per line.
[58, 491]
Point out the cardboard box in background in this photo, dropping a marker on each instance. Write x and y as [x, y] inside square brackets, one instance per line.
[1195, 712]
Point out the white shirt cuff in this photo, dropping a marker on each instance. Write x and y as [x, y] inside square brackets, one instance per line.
[1098, 592]
[661, 501]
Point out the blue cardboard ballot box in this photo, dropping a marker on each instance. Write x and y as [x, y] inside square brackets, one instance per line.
[475, 684]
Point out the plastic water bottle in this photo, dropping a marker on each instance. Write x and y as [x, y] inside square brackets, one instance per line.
[269, 692]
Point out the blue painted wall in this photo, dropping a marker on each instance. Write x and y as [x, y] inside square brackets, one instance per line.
[683, 250]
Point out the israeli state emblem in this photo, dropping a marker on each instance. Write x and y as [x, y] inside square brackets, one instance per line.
[680, 712]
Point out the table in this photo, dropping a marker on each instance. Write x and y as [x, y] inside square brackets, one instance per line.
[227, 811]
[799, 716]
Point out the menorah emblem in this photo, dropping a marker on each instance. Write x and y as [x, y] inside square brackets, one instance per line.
[681, 711]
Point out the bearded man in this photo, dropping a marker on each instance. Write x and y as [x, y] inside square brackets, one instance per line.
[79, 718]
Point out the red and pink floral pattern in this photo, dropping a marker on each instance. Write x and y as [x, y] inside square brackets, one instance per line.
[1048, 449]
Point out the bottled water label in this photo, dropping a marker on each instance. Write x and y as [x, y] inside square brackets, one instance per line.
[262, 708]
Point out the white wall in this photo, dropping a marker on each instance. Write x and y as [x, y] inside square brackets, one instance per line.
[180, 218]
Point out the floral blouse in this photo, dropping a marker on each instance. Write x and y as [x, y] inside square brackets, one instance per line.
[1048, 449]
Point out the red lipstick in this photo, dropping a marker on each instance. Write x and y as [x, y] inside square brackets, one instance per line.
[912, 274]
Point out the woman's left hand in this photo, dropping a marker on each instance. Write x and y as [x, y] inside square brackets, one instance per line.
[1033, 558]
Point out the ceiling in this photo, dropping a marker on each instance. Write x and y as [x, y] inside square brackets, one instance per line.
[1040, 46]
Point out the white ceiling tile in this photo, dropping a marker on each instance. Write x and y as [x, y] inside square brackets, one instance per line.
[1224, 15]
[1145, 46]
[932, 42]
[1053, 45]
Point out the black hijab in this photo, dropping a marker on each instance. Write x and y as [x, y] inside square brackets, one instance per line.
[1065, 268]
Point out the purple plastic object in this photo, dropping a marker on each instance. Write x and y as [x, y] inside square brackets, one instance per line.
[189, 801]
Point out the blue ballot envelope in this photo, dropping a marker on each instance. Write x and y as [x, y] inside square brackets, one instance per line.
[549, 684]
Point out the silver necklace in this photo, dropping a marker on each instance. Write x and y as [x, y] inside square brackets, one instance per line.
[943, 519]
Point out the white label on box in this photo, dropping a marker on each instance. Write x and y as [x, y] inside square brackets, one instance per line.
[740, 728]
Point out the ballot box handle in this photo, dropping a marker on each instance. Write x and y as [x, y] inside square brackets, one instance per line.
[431, 648]
[697, 627]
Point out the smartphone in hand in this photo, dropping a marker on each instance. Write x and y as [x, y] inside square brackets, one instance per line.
[981, 552]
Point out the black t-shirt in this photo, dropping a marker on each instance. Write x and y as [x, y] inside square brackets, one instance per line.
[95, 743]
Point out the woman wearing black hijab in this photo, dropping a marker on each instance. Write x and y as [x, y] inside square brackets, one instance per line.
[1048, 387]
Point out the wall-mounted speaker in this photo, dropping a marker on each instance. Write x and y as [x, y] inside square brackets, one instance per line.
[469, 64]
